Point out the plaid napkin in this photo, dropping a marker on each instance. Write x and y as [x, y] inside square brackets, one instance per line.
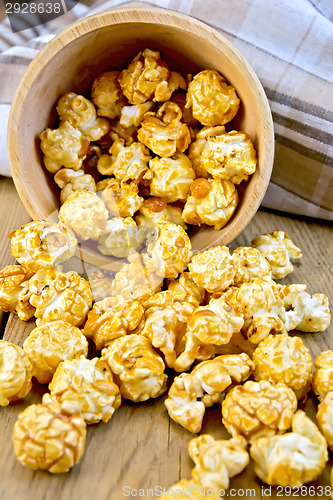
[288, 44]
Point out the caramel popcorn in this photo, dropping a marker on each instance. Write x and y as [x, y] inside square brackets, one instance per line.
[85, 213]
[325, 418]
[81, 114]
[170, 178]
[280, 358]
[121, 238]
[149, 78]
[180, 99]
[191, 393]
[211, 202]
[107, 96]
[250, 264]
[292, 459]
[49, 436]
[131, 116]
[112, 318]
[11, 278]
[216, 461]
[163, 131]
[42, 245]
[187, 290]
[189, 489]
[117, 131]
[63, 147]
[278, 249]
[198, 146]
[121, 199]
[15, 373]
[100, 281]
[155, 211]
[138, 370]
[89, 384]
[213, 269]
[213, 100]
[70, 180]
[258, 409]
[49, 344]
[322, 381]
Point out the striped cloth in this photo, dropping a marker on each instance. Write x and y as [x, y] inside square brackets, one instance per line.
[289, 45]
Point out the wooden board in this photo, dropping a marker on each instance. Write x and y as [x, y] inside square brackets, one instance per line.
[140, 447]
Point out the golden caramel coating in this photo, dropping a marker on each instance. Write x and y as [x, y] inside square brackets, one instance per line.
[125, 162]
[250, 264]
[11, 278]
[278, 249]
[57, 296]
[171, 252]
[213, 100]
[292, 459]
[325, 418]
[49, 436]
[85, 213]
[42, 245]
[89, 384]
[138, 370]
[155, 211]
[188, 488]
[216, 461]
[163, 131]
[187, 290]
[81, 114]
[170, 178]
[50, 344]
[121, 199]
[70, 180]
[180, 99]
[280, 358]
[213, 269]
[63, 147]
[117, 131]
[322, 380]
[261, 306]
[121, 238]
[191, 393]
[112, 318]
[107, 96]
[258, 409]
[149, 78]
[304, 312]
[100, 281]
[211, 202]
[209, 326]
[198, 146]
[131, 116]
[15, 373]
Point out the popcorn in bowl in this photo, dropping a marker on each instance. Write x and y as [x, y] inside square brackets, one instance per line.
[106, 95]
[70, 180]
[120, 199]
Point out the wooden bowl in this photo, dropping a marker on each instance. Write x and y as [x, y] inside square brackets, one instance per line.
[71, 61]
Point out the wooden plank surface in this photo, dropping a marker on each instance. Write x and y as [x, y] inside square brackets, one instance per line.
[140, 447]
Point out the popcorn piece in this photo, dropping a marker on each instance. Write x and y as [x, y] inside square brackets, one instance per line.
[15, 373]
[49, 436]
[112, 318]
[89, 384]
[213, 269]
[138, 370]
[325, 418]
[11, 278]
[213, 101]
[211, 202]
[107, 96]
[100, 281]
[170, 177]
[216, 461]
[322, 381]
[180, 99]
[191, 393]
[155, 211]
[81, 114]
[187, 290]
[63, 147]
[292, 459]
[90, 163]
[208, 326]
[149, 78]
[126, 162]
[250, 264]
[121, 199]
[70, 180]
[171, 252]
[278, 249]
[122, 237]
[85, 213]
[57, 296]
[190, 489]
[117, 131]
[200, 143]
[49, 344]
[163, 132]
[258, 409]
[280, 358]
[131, 116]
[42, 244]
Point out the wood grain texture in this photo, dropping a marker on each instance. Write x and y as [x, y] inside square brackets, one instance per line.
[140, 447]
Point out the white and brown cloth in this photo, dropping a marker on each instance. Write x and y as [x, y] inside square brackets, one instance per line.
[290, 47]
